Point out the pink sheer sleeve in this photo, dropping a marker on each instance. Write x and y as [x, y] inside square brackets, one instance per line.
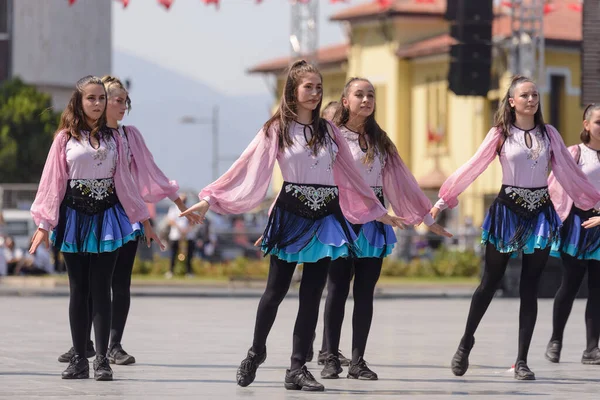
[53, 185]
[127, 191]
[403, 192]
[569, 175]
[357, 200]
[560, 199]
[245, 184]
[152, 183]
[460, 180]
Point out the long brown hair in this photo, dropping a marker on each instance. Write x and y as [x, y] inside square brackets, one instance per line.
[587, 115]
[505, 116]
[73, 118]
[288, 109]
[378, 138]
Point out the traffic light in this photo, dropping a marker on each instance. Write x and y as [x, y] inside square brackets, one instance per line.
[471, 57]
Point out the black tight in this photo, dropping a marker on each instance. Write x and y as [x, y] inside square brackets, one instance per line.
[121, 293]
[573, 274]
[90, 276]
[121, 290]
[366, 274]
[495, 266]
[314, 276]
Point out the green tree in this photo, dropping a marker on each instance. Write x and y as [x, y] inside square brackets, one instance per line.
[27, 126]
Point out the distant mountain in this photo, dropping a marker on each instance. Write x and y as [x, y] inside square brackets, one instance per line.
[161, 97]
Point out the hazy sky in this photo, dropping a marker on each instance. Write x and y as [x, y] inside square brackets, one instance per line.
[215, 47]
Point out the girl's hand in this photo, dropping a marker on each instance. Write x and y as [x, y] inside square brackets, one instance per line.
[152, 236]
[591, 222]
[40, 236]
[199, 209]
[192, 218]
[392, 220]
[439, 230]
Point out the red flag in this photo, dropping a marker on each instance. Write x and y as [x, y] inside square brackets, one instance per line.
[124, 2]
[215, 2]
[548, 8]
[166, 3]
[71, 2]
[576, 7]
[384, 3]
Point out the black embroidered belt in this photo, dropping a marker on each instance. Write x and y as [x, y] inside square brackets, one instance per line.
[309, 200]
[90, 196]
[525, 201]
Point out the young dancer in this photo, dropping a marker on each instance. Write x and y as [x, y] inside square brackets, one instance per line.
[579, 247]
[306, 224]
[376, 157]
[522, 218]
[153, 186]
[87, 198]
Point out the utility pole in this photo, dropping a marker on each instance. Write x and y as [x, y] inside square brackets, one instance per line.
[527, 39]
[214, 123]
[304, 29]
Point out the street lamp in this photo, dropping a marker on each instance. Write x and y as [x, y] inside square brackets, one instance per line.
[214, 122]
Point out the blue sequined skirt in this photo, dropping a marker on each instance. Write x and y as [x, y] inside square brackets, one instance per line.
[577, 241]
[307, 225]
[375, 239]
[521, 220]
[92, 220]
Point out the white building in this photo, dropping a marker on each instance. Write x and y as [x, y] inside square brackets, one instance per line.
[51, 45]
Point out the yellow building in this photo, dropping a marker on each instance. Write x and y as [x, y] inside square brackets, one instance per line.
[403, 50]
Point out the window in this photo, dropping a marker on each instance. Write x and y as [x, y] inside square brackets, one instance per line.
[557, 94]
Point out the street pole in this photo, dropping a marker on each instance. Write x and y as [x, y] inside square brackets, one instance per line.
[215, 143]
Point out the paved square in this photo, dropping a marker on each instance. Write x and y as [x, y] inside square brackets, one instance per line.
[189, 348]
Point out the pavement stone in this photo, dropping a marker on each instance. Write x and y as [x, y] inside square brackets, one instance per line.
[190, 348]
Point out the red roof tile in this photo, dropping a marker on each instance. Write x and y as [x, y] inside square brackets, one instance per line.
[326, 56]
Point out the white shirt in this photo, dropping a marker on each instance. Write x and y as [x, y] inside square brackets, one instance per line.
[12, 254]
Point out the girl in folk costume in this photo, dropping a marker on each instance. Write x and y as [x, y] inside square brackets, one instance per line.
[153, 186]
[522, 218]
[380, 165]
[87, 198]
[306, 224]
[579, 247]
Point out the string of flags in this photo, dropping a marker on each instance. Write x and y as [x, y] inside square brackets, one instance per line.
[548, 8]
[168, 3]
